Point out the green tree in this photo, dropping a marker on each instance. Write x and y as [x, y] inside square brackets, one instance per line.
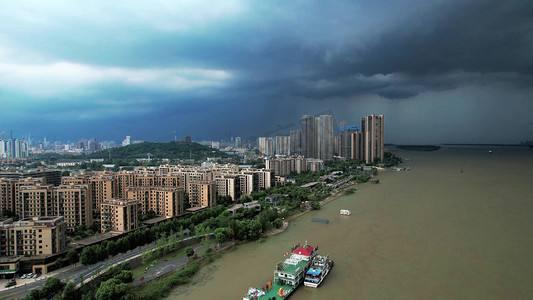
[70, 292]
[33, 295]
[72, 256]
[111, 289]
[124, 276]
[189, 252]
[88, 255]
[51, 287]
[221, 234]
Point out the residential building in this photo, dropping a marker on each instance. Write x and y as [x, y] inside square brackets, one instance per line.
[282, 145]
[32, 236]
[372, 128]
[324, 137]
[163, 201]
[308, 136]
[226, 186]
[119, 215]
[266, 145]
[74, 203]
[36, 201]
[202, 193]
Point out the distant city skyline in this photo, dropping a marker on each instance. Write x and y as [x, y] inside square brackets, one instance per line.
[436, 68]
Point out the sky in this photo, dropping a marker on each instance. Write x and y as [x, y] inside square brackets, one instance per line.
[442, 71]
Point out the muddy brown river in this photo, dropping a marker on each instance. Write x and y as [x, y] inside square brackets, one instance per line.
[430, 233]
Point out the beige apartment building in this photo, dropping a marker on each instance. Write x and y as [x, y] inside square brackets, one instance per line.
[101, 187]
[356, 138]
[262, 178]
[372, 128]
[36, 201]
[123, 180]
[32, 236]
[119, 215]
[76, 179]
[75, 204]
[202, 194]
[17, 184]
[163, 201]
[7, 196]
[227, 186]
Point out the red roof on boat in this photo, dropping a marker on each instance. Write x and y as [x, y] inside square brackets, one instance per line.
[306, 251]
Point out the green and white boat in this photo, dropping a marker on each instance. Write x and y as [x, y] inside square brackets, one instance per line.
[288, 276]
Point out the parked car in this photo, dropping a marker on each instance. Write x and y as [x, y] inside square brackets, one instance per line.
[35, 275]
[12, 282]
[23, 276]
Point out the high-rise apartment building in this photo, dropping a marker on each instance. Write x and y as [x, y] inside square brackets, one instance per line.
[3, 149]
[202, 193]
[308, 136]
[14, 149]
[317, 136]
[262, 178]
[295, 141]
[372, 128]
[119, 215]
[227, 186]
[325, 137]
[74, 203]
[266, 145]
[238, 142]
[101, 187]
[356, 145]
[32, 236]
[36, 201]
[163, 201]
[284, 166]
[282, 145]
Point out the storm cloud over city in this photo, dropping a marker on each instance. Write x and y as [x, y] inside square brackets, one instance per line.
[442, 71]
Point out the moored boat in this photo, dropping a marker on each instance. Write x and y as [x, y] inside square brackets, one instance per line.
[288, 276]
[317, 272]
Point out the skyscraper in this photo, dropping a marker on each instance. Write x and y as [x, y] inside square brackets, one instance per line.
[373, 138]
[317, 136]
[295, 141]
[308, 136]
[265, 145]
[282, 145]
[356, 138]
[325, 137]
[3, 149]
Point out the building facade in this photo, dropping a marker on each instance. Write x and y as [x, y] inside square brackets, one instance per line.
[119, 215]
[372, 128]
[32, 236]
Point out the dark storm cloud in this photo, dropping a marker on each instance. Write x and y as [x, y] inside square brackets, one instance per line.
[248, 67]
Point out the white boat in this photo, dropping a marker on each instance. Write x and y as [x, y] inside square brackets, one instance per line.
[345, 212]
[319, 269]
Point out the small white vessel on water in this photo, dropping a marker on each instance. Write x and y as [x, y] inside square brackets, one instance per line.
[345, 212]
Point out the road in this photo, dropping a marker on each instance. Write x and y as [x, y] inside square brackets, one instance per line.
[164, 266]
[77, 272]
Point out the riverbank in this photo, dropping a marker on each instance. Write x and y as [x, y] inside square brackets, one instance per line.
[146, 288]
[339, 192]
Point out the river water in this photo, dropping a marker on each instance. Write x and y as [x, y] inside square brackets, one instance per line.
[430, 233]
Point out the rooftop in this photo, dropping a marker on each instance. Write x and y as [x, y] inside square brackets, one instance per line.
[305, 250]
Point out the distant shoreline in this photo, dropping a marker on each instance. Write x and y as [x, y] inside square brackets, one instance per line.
[418, 147]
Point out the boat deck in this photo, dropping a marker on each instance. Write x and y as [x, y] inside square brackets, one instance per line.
[273, 292]
[294, 268]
